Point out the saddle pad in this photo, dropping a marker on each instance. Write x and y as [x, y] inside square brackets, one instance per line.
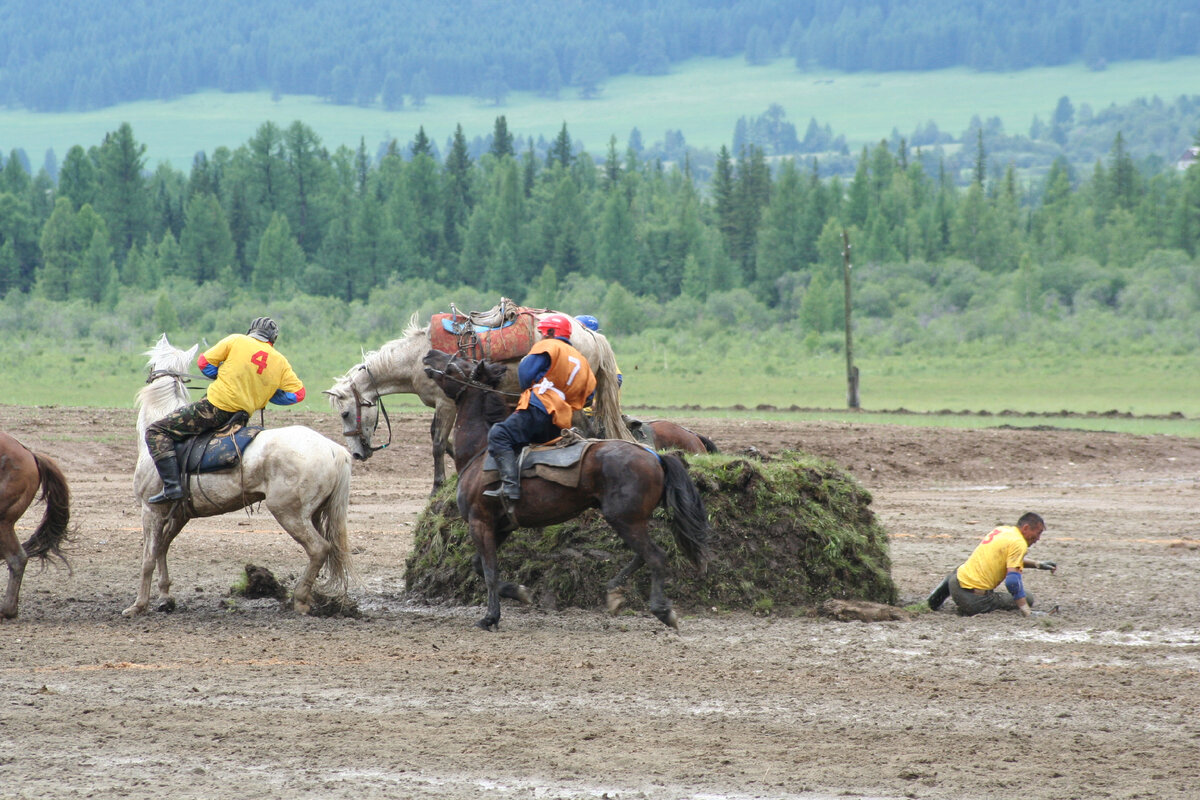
[214, 451]
[556, 464]
[452, 333]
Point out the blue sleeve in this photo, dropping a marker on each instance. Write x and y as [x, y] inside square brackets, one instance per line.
[532, 368]
[1014, 584]
[209, 370]
[282, 398]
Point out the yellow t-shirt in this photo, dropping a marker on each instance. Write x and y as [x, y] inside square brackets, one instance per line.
[250, 372]
[1000, 552]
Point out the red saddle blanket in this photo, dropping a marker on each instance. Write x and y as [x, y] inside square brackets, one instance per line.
[455, 333]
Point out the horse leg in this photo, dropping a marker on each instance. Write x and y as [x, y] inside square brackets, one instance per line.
[513, 591]
[636, 535]
[154, 552]
[15, 557]
[484, 535]
[440, 433]
[299, 525]
[616, 586]
[170, 529]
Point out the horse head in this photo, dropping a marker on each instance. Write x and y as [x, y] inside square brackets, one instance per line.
[359, 410]
[166, 377]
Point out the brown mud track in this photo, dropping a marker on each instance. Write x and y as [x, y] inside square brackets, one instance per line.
[236, 698]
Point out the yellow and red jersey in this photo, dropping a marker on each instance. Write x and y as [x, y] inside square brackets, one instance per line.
[566, 384]
[1000, 552]
[249, 373]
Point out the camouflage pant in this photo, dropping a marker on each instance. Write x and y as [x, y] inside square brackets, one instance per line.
[198, 417]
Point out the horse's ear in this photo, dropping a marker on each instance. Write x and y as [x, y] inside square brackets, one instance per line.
[495, 374]
[190, 355]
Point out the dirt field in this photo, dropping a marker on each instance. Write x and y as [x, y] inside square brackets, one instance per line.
[228, 698]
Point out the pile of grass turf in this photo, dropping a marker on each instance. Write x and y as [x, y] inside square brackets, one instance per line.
[788, 531]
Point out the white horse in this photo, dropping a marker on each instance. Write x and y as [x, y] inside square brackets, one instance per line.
[303, 478]
[396, 368]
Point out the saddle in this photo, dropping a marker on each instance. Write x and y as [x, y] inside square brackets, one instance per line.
[558, 461]
[216, 450]
[504, 333]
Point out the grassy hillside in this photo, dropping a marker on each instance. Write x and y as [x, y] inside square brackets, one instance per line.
[703, 98]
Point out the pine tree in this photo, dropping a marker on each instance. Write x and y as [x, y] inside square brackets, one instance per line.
[96, 278]
[458, 195]
[280, 259]
[121, 196]
[560, 151]
[77, 178]
[206, 250]
[502, 140]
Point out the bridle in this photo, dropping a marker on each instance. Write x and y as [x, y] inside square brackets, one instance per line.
[467, 381]
[182, 377]
[360, 403]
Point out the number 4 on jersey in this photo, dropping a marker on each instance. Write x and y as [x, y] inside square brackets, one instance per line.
[260, 360]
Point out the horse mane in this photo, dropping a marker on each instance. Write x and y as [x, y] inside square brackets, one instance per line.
[384, 357]
[157, 398]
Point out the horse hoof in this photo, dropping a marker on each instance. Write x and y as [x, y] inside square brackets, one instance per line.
[487, 625]
[616, 601]
[166, 606]
[301, 608]
[668, 618]
[524, 595]
[133, 610]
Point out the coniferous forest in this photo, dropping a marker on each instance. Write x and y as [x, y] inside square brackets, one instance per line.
[57, 55]
[281, 216]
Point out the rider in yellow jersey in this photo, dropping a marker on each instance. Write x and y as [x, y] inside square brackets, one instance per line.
[1000, 558]
[248, 373]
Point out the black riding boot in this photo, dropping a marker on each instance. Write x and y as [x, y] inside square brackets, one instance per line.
[168, 470]
[939, 595]
[510, 481]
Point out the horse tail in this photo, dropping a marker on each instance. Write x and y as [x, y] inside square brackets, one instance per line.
[54, 529]
[689, 517]
[709, 445]
[607, 403]
[330, 521]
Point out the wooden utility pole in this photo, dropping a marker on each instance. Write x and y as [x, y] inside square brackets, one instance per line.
[851, 370]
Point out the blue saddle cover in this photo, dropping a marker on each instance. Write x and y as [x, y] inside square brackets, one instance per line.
[215, 450]
[456, 328]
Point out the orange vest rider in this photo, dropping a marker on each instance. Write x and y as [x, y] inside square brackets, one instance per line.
[565, 385]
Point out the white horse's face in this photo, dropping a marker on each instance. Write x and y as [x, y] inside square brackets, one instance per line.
[359, 417]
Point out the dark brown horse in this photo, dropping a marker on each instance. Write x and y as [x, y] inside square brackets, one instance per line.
[672, 436]
[22, 472]
[624, 480]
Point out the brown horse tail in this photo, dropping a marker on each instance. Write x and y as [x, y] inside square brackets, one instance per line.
[330, 521]
[707, 442]
[54, 529]
[689, 517]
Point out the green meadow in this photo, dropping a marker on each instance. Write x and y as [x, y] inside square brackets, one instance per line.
[702, 98]
[1161, 394]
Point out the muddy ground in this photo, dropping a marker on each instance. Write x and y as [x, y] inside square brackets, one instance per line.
[233, 698]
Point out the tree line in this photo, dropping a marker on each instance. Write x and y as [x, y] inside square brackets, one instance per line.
[57, 55]
[283, 216]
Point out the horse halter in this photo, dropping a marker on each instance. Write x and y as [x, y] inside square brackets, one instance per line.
[360, 403]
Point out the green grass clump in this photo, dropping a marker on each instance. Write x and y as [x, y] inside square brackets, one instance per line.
[786, 532]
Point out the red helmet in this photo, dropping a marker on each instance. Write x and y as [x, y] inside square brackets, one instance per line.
[555, 325]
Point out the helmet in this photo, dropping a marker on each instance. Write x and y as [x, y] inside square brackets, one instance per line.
[555, 325]
[589, 322]
[264, 329]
